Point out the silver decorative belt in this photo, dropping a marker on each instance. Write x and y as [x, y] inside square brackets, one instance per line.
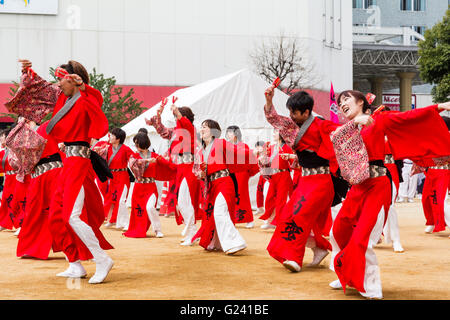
[377, 171]
[389, 158]
[146, 180]
[78, 151]
[43, 168]
[271, 171]
[444, 167]
[218, 174]
[313, 171]
[118, 170]
[10, 172]
[184, 158]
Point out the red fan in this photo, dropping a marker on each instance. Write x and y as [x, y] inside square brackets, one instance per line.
[164, 102]
[61, 73]
[174, 99]
[276, 82]
[370, 97]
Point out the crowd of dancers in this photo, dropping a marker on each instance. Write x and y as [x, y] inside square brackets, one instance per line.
[326, 186]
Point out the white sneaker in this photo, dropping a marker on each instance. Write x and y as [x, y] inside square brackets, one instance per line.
[267, 225]
[188, 242]
[109, 225]
[75, 270]
[102, 269]
[376, 296]
[319, 255]
[429, 229]
[260, 211]
[397, 247]
[410, 200]
[291, 265]
[17, 232]
[236, 249]
[159, 234]
[400, 200]
[1, 228]
[336, 284]
[250, 225]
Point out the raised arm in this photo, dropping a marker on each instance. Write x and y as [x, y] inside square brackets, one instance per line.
[286, 126]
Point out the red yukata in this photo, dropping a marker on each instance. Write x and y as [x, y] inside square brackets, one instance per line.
[181, 151]
[243, 207]
[8, 191]
[435, 189]
[260, 191]
[35, 238]
[220, 158]
[19, 202]
[102, 186]
[418, 134]
[121, 179]
[84, 122]
[309, 207]
[143, 190]
[280, 183]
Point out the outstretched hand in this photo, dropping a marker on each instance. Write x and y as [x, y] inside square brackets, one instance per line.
[445, 106]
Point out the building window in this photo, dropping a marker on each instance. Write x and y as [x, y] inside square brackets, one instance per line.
[413, 5]
[364, 4]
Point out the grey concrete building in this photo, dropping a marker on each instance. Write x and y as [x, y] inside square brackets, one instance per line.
[385, 36]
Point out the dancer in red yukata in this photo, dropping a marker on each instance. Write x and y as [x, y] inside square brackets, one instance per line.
[8, 185]
[181, 150]
[276, 169]
[435, 194]
[243, 208]
[359, 223]
[76, 209]
[147, 167]
[263, 185]
[308, 208]
[35, 238]
[117, 157]
[215, 162]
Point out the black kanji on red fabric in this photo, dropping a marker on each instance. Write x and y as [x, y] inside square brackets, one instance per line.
[240, 214]
[24, 202]
[434, 197]
[9, 200]
[114, 196]
[238, 198]
[299, 205]
[291, 230]
[209, 210]
[139, 211]
[339, 260]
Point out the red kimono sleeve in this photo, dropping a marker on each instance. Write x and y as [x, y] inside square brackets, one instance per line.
[238, 159]
[93, 102]
[420, 135]
[165, 170]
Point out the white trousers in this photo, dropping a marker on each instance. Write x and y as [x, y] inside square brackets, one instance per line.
[186, 209]
[391, 230]
[83, 230]
[153, 214]
[226, 236]
[408, 187]
[372, 280]
[123, 217]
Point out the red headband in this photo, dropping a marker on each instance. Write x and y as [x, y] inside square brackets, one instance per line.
[61, 73]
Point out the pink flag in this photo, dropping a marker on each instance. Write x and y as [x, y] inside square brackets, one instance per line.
[333, 106]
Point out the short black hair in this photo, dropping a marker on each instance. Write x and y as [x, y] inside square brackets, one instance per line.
[143, 130]
[300, 101]
[259, 143]
[236, 131]
[120, 134]
[142, 140]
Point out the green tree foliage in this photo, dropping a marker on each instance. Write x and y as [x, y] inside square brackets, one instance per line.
[434, 62]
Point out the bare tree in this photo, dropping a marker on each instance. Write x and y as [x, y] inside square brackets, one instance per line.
[284, 57]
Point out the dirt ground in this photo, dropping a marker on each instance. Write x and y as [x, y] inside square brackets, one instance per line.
[159, 268]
